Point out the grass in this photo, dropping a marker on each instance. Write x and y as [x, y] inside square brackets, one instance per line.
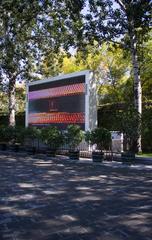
[145, 155]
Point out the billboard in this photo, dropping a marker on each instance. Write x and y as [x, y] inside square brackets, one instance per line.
[58, 101]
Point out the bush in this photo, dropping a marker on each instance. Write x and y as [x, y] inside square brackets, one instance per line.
[130, 125]
[52, 137]
[18, 135]
[6, 134]
[32, 133]
[99, 136]
[74, 136]
[147, 130]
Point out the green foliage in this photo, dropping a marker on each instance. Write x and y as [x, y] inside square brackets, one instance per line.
[146, 69]
[11, 134]
[51, 64]
[110, 116]
[129, 122]
[32, 133]
[73, 136]
[20, 119]
[31, 30]
[6, 133]
[34, 30]
[20, 100]
[19, 134]
[116, 71]
[52, 136]
[107, 117]
[118, 19]
[70, 65]
[147, 129]
[115, 98]
[99, 136]
[3, 102]
[112, 70]
[127, 23]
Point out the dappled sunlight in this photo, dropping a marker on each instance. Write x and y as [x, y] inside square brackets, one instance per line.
[53, 172]
[142, 215]
[149, 181]
[6, 208]
[73, 173]
[83, 188]
[77, 179]
[144, 207]
[68, 218]
[11, 159]
[87, 198]
[42, 162]
[133, 223]
[26, 185]
[85, 191]
[72, 199]
[53, 192]
[60, 165]
[67, 225]
[141, 167]
[21, 197]
[22, 212]
[78, 230]
[54, 223]
[13, 210]
[138, 222]
[135, 196]
[94, 178]
[60, 221]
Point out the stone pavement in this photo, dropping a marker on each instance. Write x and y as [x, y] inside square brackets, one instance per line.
[67, 200]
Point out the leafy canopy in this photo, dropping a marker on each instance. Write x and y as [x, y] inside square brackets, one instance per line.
[30, 30]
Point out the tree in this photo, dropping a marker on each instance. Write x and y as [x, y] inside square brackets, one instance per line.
[116, 72]
[112, 71]
[20, 99]
[146, 69]
[28, 31]
[68, 63]
[124, 22]
[129, 122]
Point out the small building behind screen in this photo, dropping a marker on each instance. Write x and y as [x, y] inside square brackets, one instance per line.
[63, 100]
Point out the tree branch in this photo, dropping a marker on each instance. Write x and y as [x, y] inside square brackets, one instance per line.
[121, 4]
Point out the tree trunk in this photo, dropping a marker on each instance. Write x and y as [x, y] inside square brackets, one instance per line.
[12, 103]
[137, 81]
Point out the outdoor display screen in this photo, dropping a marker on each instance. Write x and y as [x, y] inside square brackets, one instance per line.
[57, 103]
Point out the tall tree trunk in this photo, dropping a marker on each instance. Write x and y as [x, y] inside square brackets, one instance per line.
[12, 103]
[137, 80]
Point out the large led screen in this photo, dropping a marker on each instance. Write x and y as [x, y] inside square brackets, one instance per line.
[57, 103]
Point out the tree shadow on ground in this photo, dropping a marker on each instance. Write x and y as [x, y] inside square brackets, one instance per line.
[57, 199]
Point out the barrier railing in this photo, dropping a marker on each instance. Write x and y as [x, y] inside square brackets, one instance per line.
[85, 151]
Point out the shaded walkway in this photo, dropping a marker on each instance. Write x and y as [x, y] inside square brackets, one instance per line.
[57, 199]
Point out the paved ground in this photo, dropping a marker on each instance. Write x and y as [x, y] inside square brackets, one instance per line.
[63, 200]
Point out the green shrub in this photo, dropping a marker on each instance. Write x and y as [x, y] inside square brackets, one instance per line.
[147, 130]
[52, 137]
[6, 134]
[99, 136]
[32, 133]
[130, 126]
[74, 136]
[19, 135]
